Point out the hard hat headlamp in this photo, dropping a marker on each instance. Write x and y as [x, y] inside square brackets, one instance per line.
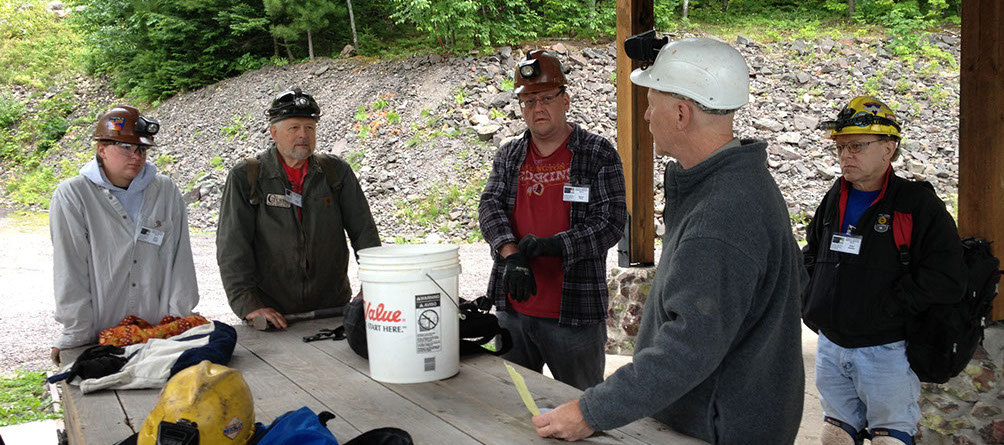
[644, 47]
[529, 68]
[147, 125]
[184, 432]
[846, 118]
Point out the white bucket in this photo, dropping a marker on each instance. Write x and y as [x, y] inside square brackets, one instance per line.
[412, 326]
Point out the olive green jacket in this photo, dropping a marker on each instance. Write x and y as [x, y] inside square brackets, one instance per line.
[270, 258]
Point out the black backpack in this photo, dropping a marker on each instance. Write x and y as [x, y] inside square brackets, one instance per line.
[941, 340]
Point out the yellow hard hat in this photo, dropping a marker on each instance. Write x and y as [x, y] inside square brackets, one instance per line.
[863, 115]
[213, 397]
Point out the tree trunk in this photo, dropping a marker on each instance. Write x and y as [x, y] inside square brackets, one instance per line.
[275, 47]
[686, 6]
[850, 9]
[310, 46]
[725, 6]
[289, 53]
[352, 21]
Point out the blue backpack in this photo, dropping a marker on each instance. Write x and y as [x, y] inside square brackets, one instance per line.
[303, 427]
[300, 427]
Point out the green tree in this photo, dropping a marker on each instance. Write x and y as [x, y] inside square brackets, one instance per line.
[290, 19]
[460, 24]
[154, 49]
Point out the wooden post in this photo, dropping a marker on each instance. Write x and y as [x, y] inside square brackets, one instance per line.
[981, 126]
[634, 142]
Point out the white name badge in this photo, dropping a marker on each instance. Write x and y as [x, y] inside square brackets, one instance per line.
[846, 243]
[294, 198]
[151, 236]
[576, 194]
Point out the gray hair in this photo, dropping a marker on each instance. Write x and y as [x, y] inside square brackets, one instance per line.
[701, 106]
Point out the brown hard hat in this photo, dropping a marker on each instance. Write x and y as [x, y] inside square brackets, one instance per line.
[123, 123]
[541, 71]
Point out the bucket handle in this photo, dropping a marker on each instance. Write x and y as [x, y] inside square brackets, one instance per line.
[461, 313]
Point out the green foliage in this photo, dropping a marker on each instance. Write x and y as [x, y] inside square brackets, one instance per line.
[292, 20]
[164, 160]
[37, 49]
[216, 162]
[496, 114]
[24, 397]
[507, 84]
[393, 117]
[33, 187]
[154, 49]
[461, 97]
[36, 132]
[10, 111]
[237, 128]
[379, 104]
[459, 25]
[439, 200]
[355, 159]
[362, 114]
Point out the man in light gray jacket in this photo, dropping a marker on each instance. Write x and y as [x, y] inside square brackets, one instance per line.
[119, 236]
[718, 355]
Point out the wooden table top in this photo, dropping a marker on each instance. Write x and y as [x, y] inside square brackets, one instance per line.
[478, 405]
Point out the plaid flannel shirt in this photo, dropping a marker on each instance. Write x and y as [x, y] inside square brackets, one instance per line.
[595, 226]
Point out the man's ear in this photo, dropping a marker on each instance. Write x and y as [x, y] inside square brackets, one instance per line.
[272, 130]
[890, 150]
[684, 114]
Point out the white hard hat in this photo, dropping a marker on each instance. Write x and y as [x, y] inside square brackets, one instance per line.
[710, 72]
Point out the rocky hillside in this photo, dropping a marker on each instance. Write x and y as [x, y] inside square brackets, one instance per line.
[421, 132]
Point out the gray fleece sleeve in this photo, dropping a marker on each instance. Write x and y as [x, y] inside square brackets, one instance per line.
[700, 296]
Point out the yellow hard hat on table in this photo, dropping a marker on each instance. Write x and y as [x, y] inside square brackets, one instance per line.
[211, 398]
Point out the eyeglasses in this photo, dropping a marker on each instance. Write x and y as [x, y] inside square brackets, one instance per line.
[854, 147]
[543, 100]
[127, 149]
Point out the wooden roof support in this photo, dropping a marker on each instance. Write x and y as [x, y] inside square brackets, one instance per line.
[634, 142]
[981, 127]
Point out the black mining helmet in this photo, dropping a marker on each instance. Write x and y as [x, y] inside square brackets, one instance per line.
[293, 103]
[644, 47]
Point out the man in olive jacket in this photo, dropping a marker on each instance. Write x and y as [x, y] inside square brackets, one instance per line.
[281, 243]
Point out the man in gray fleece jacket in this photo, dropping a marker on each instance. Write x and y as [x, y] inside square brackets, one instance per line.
[718, 355]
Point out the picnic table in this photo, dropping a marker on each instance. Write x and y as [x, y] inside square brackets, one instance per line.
[478, 405]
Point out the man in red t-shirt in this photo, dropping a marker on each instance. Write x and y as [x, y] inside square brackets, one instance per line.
[554, 204]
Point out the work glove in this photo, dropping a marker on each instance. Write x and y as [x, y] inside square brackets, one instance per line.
[95, 362]
[517, 279]
[534, 246]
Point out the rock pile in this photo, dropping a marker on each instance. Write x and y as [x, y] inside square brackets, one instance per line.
[422, 132]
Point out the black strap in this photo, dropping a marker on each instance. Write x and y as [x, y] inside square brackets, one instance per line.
[253, 166]
[328, 167]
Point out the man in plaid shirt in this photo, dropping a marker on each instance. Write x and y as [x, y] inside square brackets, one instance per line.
[553, 205]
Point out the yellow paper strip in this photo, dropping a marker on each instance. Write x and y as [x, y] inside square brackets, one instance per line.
[523, 392]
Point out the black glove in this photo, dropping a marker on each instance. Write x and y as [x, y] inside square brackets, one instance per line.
[534, 246]
[94, 362]
[517, 280]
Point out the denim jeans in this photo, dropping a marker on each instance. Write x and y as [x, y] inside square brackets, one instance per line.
[871, 387]
[574, 354]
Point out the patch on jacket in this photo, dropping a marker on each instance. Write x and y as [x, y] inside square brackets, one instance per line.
[882, 223]
[276, 200]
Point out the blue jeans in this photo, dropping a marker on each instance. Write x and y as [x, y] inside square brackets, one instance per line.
[574, 354]
[871, 387]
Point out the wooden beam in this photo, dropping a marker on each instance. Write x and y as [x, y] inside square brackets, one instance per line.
[634, 142]
[981, 124]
